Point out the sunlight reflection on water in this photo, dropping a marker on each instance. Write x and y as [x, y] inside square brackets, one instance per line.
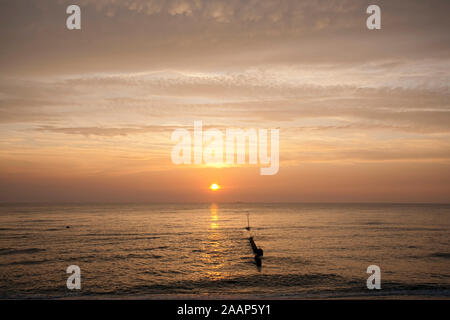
[309, 250]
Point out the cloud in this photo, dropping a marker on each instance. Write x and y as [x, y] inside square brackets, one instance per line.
[290, 97]
[105, 131]
[216, 35]
[354, 107]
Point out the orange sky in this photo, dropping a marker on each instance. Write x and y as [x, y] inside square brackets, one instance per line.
[88, 115]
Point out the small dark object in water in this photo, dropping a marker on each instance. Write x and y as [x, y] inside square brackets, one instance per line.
[259, 252]
[256, 250]
[248, 222]
[252, 243]
[67, 227]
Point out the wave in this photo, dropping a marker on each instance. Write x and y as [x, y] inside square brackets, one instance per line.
[115, 234]
[119, 239]
[10, 251]
[444, 255]
[285, 286]
[240, 282]
[155, 248]
[26, 262]
[135, 256]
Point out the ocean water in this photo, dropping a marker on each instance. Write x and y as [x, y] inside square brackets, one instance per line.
[202, 250]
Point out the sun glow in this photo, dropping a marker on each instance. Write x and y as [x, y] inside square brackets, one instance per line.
[214, 187]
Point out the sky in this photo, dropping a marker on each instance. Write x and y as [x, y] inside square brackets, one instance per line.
[87, 115]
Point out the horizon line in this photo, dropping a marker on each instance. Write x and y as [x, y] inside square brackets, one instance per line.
[211, 202]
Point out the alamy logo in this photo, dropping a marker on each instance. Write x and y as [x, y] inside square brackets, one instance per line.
[374, 20]
[209, 147]
[74, 280]
[374, 281]
[73, 21]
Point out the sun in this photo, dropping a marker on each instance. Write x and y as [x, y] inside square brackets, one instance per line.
[214, 187]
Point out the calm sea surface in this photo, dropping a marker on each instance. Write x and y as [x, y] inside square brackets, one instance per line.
[202, 251]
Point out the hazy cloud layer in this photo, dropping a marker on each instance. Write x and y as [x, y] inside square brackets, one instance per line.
[216, 34]
[101, 103]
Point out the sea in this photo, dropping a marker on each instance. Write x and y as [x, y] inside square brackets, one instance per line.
[202, 251]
